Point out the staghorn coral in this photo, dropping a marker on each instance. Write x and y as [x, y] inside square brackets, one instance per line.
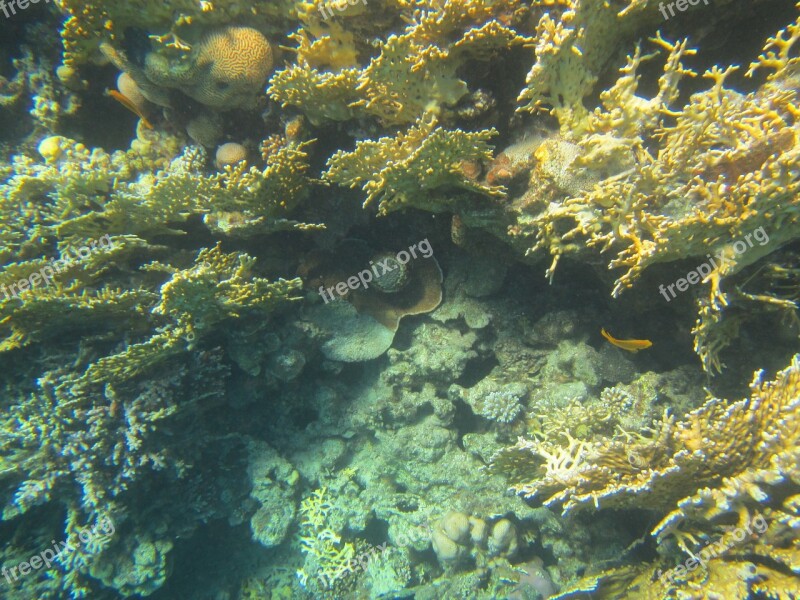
[414, 169]
[724, 460]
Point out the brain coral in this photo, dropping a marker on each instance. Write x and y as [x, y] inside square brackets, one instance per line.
[227, 69]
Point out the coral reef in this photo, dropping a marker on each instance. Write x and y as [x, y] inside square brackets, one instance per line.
[704, 191]
[227, 68]
[414, 168]
[415, 73]
[693, 473]
[216, 333]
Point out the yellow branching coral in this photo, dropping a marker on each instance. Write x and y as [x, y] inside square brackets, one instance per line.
[324, 96]
[151, 204]
[331, 559]
[709, 475]
[656, 184]
[415, 168]
[217, 287]
[89, 23]
[415, 72]
[574, 39]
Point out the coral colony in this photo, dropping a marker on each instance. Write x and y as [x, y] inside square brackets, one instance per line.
[217, 321]
[384, 266]
[705, 269]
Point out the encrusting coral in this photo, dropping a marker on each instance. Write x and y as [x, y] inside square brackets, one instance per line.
[720, 467]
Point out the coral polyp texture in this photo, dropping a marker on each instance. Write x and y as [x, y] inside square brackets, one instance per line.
[282, 282]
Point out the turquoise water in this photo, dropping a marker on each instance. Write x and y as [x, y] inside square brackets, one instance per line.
[468, 299]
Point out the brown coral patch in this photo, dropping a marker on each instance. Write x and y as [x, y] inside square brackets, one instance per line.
[422, 293]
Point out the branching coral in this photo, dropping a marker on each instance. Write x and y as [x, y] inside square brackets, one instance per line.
[415, 72]
[414, 169]
[86, 446]
[723, 460]
[217, 287]
[724, 166]
[331, 559]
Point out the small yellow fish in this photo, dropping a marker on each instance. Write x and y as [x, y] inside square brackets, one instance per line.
[125, 101]
[629, 345]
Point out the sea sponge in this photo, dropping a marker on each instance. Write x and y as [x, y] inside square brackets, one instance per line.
[227, 69]
[230, 154]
